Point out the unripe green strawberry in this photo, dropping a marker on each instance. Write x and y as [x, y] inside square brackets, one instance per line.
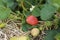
[48, 23]
[35, 32]
[41, 28]
[24, 38]
[57, 37]
[2, 25]
[14, 38]
[20, 38]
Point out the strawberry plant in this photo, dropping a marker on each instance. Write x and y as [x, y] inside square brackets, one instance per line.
[38, 19]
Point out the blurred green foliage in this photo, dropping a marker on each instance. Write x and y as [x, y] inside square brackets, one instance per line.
[44, 10]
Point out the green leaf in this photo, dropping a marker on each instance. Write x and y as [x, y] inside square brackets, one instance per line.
[54, 2]
[47, 12]
[1, 3]
[4, 13]
[50, 35]
[10, 3]
[26, 27]
[36, 12]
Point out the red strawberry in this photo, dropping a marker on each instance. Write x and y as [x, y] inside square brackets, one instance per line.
[32, 20]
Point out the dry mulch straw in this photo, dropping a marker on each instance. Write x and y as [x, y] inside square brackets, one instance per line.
[12, 30]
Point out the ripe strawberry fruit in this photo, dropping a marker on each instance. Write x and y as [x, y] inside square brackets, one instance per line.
[32, 20]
